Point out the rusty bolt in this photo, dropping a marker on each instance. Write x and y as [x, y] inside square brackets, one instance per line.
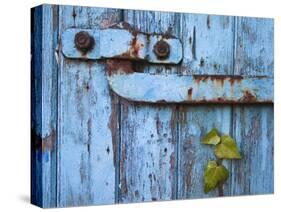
[161, 49]
[84, 42]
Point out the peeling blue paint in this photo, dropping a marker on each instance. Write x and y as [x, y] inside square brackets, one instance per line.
[94, 147]
[192, 89]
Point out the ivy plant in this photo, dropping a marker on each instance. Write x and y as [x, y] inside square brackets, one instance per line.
[224, 148]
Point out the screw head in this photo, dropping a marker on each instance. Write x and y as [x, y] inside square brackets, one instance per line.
[161, 49]
[83, 41]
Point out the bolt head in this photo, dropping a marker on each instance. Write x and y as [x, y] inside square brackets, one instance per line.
[161, 49]
[84, 42]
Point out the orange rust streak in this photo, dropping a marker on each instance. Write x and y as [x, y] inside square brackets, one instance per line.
[44, 144]
[248, 97]
[133, 51]
[118, 66]
[217, 78]
[189, 94]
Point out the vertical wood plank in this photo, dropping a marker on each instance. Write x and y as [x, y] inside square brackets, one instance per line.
[254, 46]
[148, 132]
[86, 163]
[253, 125]
[195, 122]
[44, 105]
[208, 49]
[147, 170]
[208, 43]
[253, 131]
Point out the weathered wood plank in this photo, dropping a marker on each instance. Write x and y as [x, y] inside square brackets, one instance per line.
[253, 131]
[148, 133]
[147, 166]
[87, 133]
[194, 123]
[254, 46]
[208, 41]
[253, 125]
[44, 105]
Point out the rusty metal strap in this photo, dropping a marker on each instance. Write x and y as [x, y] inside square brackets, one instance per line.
[122, 42]
[172, 88]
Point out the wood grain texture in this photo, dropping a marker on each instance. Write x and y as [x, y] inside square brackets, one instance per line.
[90, 146]
[208, 41]
[254, 46]
[148, 133]
[148, 154]
[194, 123]
[43, 105]
[253, 125]
[86, 163]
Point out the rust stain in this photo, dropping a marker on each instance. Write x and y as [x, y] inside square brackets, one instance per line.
[172, 161]
[43, 144]
[220, 79]
[123, 157]
[188, 164]
[235, 79]
[182, 114]
[125, 104]
[162, 101]
[135, 44]
[189, 172]
[133, 51]
[158, 124]
[189, 94]
[55, 10]
[248, 97]
[113, 124]
[135, 47]
[199, 78]
[124, 187]
[220, 99]
[173, 124]
[118, 66]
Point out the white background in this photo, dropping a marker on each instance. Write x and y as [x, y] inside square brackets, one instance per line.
[15, 102]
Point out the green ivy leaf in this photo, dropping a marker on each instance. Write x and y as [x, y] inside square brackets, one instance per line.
[214, 175]
[211, 137]
[227, 148]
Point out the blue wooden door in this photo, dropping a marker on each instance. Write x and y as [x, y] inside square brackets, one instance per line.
[91, 146]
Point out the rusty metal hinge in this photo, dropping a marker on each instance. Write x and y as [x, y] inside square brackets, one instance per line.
[190, 89]
[120, 41]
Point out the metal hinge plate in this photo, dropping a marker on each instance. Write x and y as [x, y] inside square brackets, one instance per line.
[120, 41]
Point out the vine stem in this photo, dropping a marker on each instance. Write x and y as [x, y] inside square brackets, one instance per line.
[220, 186]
